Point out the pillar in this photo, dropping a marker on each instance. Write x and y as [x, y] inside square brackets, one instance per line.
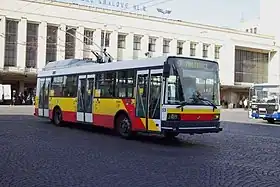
[79, 53]
[113, 47]
[199, 50]
[42, 45]
[144, 45]
[61, 38]
[129, 46]
[186, 48]
[97, 40]
[21, 46]
[2, 40]
[211, 51]
[173, 47]
[159, 47]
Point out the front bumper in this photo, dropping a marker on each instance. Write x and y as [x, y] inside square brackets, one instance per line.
[191, 127]
[275, 116]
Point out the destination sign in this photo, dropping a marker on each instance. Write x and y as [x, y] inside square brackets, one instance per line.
[115, 4]
[187, 63]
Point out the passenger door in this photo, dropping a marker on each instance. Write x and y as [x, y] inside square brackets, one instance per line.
[85, 98]
[149, 98]
[43, 107]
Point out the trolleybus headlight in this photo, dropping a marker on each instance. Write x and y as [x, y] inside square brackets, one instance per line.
[216, 117]
[173, 117]
[276, 107]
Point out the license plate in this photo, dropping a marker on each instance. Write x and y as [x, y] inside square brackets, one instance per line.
[262, 109]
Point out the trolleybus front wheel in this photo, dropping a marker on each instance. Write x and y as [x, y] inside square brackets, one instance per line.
[271, 121]
[170, 135]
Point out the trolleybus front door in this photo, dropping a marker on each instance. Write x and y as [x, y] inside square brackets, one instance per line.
[44, 89]
[149, 98]
[85, 98]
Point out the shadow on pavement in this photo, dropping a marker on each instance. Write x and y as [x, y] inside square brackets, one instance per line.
[30, 120]
[140, 137]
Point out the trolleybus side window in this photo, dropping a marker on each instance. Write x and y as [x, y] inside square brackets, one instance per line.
[155, 96]
[41, 93]
[57, 86]
[125, 83]
[106, 83]
[70, 86]
[142, 90]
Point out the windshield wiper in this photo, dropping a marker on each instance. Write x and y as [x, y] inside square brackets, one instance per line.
[183, 103]
[209, 102]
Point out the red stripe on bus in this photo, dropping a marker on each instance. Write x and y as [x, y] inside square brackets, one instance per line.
[103, 120]
[197, 117]
[136, 121]
[69, 116]
[36, 113]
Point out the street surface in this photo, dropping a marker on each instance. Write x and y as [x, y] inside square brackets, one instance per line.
[33, 152]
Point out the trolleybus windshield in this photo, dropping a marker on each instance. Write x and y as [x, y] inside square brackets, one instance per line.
[189, 77]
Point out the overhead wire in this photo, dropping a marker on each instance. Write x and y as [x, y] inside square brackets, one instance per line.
[50, 2]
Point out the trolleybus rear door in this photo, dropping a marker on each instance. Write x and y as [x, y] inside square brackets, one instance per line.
[43, 107]
[85, 98]
[149, 98]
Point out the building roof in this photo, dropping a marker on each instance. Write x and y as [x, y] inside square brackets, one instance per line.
[147, 17]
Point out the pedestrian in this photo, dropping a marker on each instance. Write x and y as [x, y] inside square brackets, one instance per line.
[245, 103]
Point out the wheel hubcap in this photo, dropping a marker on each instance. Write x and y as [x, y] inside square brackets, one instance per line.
[58, 116]
[124, 126]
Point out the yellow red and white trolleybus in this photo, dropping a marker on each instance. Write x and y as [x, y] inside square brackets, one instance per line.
[166, 95]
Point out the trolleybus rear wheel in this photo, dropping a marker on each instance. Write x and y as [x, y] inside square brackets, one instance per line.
[57, 117]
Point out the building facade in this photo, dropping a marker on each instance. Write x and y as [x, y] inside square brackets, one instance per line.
[33, 33]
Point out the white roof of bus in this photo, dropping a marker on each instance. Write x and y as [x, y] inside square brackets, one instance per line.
[78, 66]
[71, 66]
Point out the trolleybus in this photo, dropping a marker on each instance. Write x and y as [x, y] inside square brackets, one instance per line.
[264, 102]
[166, 95]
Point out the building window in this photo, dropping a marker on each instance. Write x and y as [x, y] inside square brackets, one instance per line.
[180, 47]
[31, 45]
[166, 46]
[247, 30]
[217, 51]
[205, 50]
[51, 50]
[152, 45]
[251, 30]
[107, 39]
[255, 30]
[88, 37]
[192, 48]
[11, 37]
[137, 43]
[251, 67]
[121, 41]
[70, 43]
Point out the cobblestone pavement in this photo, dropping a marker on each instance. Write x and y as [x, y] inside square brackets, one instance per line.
[33, 152]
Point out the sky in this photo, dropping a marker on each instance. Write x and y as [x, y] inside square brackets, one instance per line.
[225, 13]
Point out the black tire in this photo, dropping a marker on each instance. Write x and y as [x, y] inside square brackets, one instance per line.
[57, 117]
[124, 126]
[272, 121]
[170, 135]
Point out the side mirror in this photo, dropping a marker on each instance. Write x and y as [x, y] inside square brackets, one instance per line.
[166, 70]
